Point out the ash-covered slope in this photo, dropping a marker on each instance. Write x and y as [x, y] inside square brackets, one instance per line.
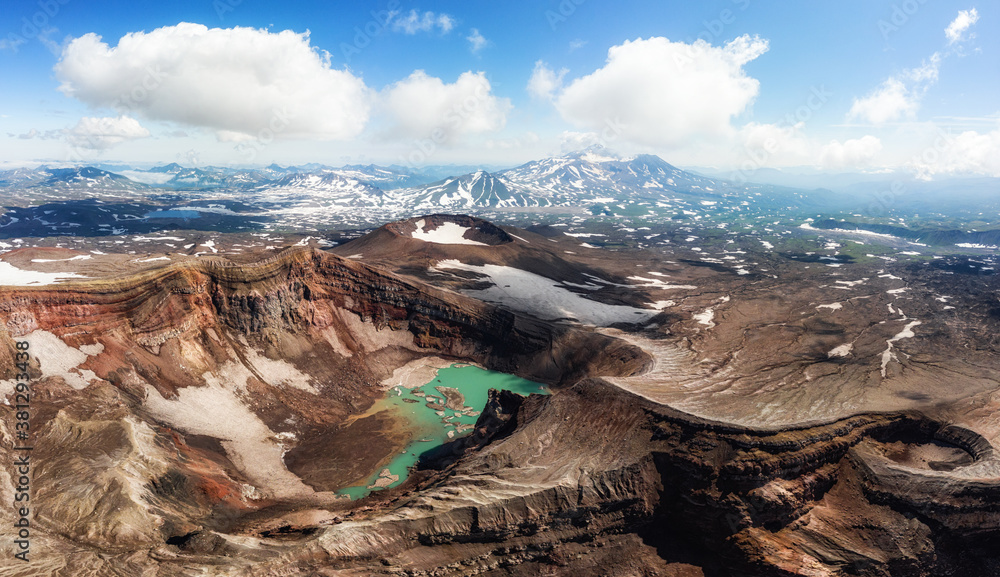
[164, 403]
[796, 343]
[521, 270]
[892, 358]
[184, 416]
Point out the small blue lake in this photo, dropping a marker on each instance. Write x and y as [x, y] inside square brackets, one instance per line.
[173, 213]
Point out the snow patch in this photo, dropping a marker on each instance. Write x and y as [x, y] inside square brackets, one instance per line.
[57, 359]
[81, 257]
[279, 372]
[528, 292]
[841, 351]
[656, 283]
[706, 317]
[92, 350]
[143, 238]
[447, 233]
[10, 275]
[887, 354]
[218, 411]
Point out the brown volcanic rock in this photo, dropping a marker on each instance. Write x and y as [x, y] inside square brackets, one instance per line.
[480, 231]
[23, 257]
[393, 246]
[750, 452]
[738, 502]
[346, 456]
[300, 341]
[277, 303]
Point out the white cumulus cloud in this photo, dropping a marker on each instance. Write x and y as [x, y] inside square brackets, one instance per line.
[422, 106]
[961, 23]
[476, 41]
[544, 81]
[898, 96]
[527, 139]
[892, 100]
[103, 133]
[414, 22]
[571, 141]
[240, 81]
[775, 143]
[853, 153]
[662, 93]
[968, 153]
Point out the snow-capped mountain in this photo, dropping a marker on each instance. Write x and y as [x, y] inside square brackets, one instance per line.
[595, 180]
[210, 177]
[329, 190]
[86, 177]
[384, 177]
[596, 173]
[176, 176]
[21, 177]
[582, 178]
[478, 189]
[172, 168]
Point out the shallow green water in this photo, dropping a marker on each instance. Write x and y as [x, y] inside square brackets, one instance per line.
[429, 429]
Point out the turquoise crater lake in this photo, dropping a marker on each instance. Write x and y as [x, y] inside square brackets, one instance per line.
[438, 415]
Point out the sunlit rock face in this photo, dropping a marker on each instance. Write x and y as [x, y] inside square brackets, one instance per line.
[197, 417]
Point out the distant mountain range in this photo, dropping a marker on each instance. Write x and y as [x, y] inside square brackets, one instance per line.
[84, 178]
[591, 176]
[176, 176]
[593, 180]
[335, 188]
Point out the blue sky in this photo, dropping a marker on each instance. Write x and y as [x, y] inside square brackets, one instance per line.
[735, 84]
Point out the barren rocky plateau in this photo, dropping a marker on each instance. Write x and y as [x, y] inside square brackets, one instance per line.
[802, 420]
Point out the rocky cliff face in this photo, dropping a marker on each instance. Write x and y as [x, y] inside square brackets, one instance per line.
[163, 403]
[189, 420]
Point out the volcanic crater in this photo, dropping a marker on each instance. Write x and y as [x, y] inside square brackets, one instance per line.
[197, 417]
